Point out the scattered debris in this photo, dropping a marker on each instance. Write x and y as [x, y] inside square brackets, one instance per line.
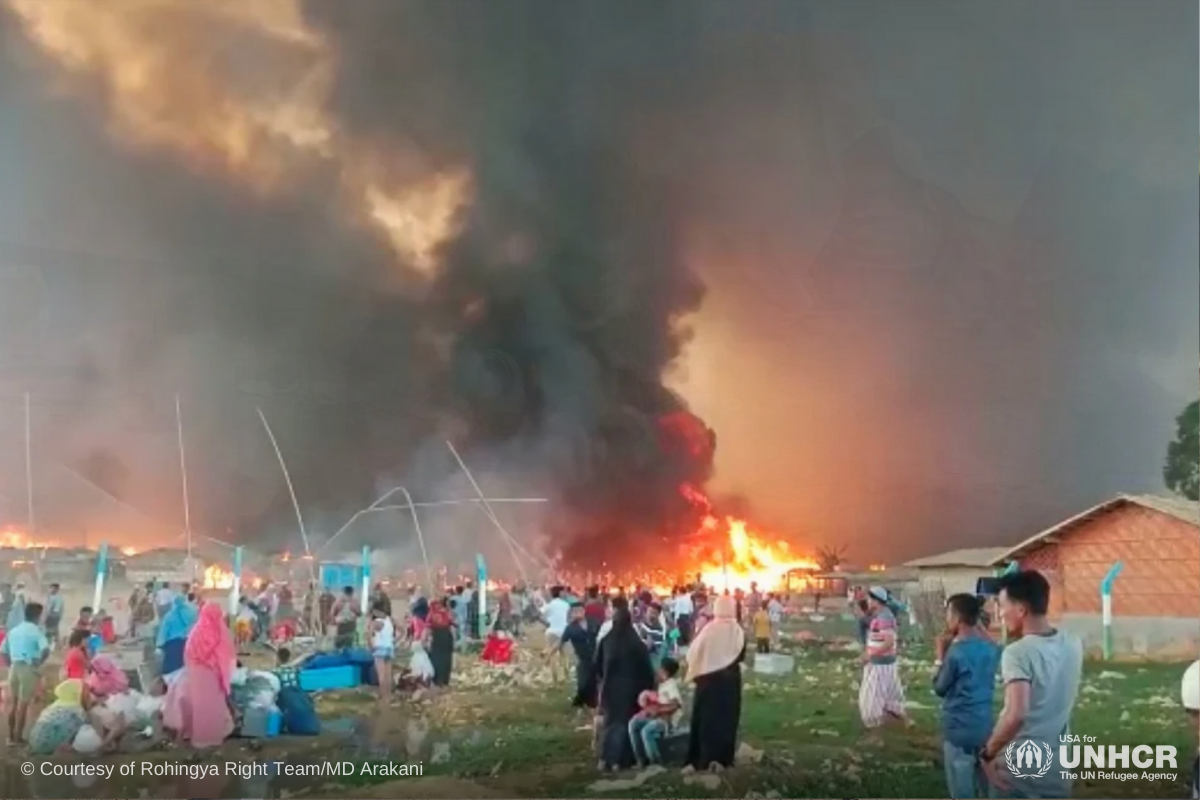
[441, 753]
[624, 784]
[1108, 675]
[747, 754]
[708, 780]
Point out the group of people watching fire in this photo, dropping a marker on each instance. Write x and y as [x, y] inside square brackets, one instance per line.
[633, 655]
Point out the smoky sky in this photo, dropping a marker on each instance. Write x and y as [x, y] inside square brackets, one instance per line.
[928, 270]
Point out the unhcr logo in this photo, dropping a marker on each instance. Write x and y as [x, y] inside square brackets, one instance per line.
[1028, 759]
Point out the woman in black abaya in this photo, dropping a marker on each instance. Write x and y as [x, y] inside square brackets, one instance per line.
[624, 672]
[714, 665]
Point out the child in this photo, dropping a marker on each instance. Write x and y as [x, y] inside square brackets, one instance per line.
[762, 629]
[966, 682]
[85, 621]
[75, 662]
[660, 714]
[383, 648]
[246, 619]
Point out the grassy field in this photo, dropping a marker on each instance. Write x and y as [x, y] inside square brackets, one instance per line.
[509, 740]
[511, 733]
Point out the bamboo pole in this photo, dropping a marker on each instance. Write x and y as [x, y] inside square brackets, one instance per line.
[291, 491]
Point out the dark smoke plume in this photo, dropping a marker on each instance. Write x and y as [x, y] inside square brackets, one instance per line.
[945, 272]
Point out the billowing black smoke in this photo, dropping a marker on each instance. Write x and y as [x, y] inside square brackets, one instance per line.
[563, 296]
[949, 277]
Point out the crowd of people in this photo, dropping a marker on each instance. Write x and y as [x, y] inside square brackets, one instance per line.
[644, 662]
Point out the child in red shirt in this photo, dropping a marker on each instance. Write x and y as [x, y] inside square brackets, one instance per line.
[75, 663]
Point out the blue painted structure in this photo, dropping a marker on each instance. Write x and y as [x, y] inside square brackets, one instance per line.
[334, 575]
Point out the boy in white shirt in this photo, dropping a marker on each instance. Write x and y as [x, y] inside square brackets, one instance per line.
[651, 725]
[557, 615]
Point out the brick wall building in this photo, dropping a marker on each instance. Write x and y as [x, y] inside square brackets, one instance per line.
[1156, 598]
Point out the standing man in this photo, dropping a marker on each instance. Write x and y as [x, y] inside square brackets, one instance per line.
[1041, 672]
[345, 618]
[164, 598]
[54, 614]
[556, 614]
[754, 600]
[576, 634]
[881, 694]
[325, 606]
[683, 610]
[471, 611]
[24, 650]
[16, 612]
[965, 679]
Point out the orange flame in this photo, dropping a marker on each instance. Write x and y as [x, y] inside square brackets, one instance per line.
[242, 87]
[741, 557]
[217, 578]
[16, 538]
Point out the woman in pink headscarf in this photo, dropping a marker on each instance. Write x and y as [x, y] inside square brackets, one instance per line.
[197, 707]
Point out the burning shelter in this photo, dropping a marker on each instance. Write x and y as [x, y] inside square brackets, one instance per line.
[1154, 598]
[160, 564]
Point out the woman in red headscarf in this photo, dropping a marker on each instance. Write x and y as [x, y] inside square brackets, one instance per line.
[440, 630]
[197, 707]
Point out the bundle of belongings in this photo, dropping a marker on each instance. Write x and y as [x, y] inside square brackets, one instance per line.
[498, 649]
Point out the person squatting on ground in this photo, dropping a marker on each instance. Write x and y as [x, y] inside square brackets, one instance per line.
[881, 694]
[1041, 672]
[965, 678]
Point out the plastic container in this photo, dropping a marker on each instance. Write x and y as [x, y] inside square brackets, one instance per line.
[347, 676]
[274, 722]
[95, 641]
[255, 722]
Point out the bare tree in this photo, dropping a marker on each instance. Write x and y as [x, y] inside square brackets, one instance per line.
[830, 557]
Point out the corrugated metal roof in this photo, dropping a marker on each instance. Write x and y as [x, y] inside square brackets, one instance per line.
[968, 557]
[1180, 508]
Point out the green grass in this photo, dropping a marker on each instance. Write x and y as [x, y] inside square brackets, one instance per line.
[523, 742]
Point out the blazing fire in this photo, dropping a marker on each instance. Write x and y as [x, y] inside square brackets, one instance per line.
[242, 87]
[217, 578]
[13, 537]
[733, 556]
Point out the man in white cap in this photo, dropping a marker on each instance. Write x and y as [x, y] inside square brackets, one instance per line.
[880, 695]
[1190, 692]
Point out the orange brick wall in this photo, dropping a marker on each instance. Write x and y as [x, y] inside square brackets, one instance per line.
[1162, 565]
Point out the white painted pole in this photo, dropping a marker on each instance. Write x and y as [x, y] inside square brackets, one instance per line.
[187, 514]
[487, 508]
[235, 593]
[29, 465]
[101, 570]
[291, 491]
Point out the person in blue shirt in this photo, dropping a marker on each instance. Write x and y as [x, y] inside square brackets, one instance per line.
[966, 681]
[24, 650]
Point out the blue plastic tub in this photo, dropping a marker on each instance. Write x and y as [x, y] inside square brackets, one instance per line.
[274, 723]
[347, 676]
[95, 641]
